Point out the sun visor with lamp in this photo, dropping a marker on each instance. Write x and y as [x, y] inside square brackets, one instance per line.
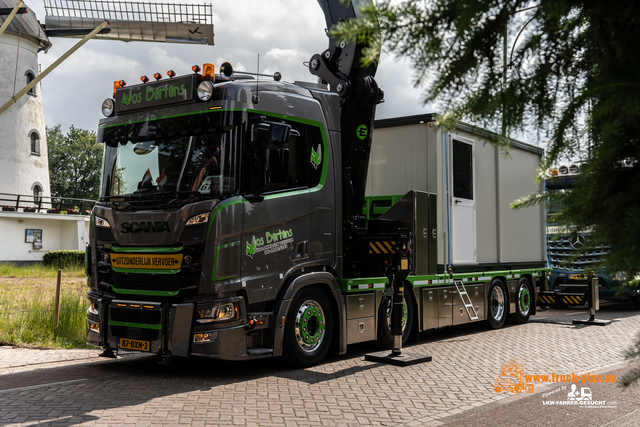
[177, 90]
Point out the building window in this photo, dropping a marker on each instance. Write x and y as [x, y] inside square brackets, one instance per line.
[37, 194]
[30, 76]
[35, 142]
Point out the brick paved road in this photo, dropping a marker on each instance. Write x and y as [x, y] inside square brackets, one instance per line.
[343, 391]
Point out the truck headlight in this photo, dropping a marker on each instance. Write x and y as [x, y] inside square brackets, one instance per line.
[218, 313]
[108, 107]
[92, 309]
[93, 326]
[198, 219]
[205, 90]
[102, 222]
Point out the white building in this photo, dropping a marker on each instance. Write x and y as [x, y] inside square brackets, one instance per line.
[55, 232]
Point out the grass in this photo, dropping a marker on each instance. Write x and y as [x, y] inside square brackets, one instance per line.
[27, 306]
[38, 271]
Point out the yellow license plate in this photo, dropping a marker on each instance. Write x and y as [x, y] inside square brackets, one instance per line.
[134, 344]
[146, 261]
[577, 276]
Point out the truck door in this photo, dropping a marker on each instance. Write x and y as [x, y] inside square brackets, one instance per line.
[463, 200]
[276, 229]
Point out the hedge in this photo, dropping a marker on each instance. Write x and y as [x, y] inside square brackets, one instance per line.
[63, 259]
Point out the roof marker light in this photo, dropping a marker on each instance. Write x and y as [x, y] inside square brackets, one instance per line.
[144, 79]
[157, 76]
[117, 85]
[171, 74]
[195, 68]
[208, 71]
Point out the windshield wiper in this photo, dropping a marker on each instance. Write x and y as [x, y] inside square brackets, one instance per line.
[120, 196]
[180, 201]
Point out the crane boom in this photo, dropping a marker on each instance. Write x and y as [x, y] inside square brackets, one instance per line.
[340, 67]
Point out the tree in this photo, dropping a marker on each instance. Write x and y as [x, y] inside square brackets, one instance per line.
[567, 68]
[74, 163]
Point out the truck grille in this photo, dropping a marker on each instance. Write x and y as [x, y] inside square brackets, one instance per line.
[193, 233]
[152, 282]
[565, 258]
[104, 234]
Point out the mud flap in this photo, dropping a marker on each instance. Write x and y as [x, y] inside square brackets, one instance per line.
[179, 330]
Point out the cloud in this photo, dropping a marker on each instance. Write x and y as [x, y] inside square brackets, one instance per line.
[285, 33]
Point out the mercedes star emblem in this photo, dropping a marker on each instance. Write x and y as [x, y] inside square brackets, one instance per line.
[578, 241]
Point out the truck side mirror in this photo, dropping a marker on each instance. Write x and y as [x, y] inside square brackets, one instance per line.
[272, 132]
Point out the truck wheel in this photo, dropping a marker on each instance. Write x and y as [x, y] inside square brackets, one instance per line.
[309, 328]
[523, 301]
[384, 320]
[497, 304]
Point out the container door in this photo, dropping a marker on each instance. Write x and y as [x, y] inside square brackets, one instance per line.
[463, 201]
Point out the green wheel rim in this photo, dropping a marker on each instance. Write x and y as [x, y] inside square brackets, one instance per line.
[524, 300]
[497, 303]
[310, 326]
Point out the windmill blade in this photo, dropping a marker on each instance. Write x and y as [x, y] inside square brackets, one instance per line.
[131, 21]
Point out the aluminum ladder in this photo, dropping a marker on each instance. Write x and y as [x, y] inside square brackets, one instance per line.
[462, 291]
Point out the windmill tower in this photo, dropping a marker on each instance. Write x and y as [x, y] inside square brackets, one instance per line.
[24, 167]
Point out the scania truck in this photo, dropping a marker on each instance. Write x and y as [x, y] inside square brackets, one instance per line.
[230, 223]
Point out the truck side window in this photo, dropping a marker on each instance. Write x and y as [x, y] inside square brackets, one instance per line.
[297, 165]
[316, 155]
[297, 174]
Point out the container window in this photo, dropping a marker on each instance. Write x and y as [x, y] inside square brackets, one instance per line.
[462, 170]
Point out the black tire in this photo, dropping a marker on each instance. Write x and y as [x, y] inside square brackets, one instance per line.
[497, 304]
[384, 320]
[523, 301]
[309, 328]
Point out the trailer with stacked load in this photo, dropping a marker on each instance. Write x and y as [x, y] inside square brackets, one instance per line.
[472, 233]
[230, 219]
[574, 263]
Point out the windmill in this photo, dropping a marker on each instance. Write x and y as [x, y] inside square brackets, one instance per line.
[24, 167]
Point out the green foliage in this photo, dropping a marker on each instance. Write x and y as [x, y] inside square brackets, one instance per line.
[74, 163]
[64, 259]
[568, 69]
[27, 318]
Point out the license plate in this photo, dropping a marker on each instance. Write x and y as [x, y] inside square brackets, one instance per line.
[134, 344]
[146, 261]
[577, 276]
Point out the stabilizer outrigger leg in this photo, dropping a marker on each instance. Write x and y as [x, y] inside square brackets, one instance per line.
[397, 273]
[594, 304]
[108, 352]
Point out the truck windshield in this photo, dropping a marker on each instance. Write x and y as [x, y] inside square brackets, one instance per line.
[204, 163]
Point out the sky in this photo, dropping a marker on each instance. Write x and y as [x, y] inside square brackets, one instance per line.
[285, 33]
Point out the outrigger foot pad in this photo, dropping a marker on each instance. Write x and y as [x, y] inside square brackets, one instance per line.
[108, 353]
[168, 362]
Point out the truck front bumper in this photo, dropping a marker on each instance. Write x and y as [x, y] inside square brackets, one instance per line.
[162, 328]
